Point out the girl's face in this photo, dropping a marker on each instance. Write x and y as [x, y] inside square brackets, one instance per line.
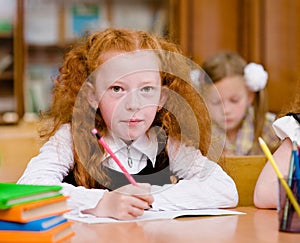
[228, 102]
[129, 93]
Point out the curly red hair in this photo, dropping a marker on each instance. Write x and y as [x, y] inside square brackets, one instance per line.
[81, 61]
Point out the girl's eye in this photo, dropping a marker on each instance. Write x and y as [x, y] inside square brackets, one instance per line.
[116, 89]
[147, 89]
[216, 102]
[235, 100]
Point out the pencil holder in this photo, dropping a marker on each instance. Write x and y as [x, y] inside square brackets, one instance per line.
[289, 220]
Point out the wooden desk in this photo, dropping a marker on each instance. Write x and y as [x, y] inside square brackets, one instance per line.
[18, 144]
[254, 227]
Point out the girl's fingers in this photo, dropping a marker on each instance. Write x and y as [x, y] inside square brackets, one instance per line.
[139, 203]
[135, 212]
[145, 193]
[141, 191]
[135, 207]
[146, 198]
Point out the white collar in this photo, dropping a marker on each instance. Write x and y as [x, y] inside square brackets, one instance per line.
[146, 144]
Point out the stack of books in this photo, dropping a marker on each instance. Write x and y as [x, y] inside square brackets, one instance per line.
[33, 213]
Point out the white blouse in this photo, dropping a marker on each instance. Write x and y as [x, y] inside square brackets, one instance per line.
[204, 184]
[287, 127]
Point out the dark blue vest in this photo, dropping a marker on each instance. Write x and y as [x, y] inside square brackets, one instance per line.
[158, 175]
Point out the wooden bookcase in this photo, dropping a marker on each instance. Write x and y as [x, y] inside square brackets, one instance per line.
[261, 31]
[11, 71]
[45, 50]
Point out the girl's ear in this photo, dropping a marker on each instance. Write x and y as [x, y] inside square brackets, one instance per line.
[163, 97]
[91, 96]
[251, 96]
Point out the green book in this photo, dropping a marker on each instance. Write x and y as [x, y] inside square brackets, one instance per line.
[13, 194]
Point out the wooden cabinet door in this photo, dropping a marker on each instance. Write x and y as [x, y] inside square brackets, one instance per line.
[263, 31]
[282, 50]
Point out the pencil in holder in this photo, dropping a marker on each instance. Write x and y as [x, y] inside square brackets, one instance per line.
[289, 221]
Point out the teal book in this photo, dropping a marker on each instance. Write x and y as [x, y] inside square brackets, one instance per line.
[34, 225]
[60, 233]
[12, 194]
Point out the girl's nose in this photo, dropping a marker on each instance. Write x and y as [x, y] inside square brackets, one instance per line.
[133, 101]
[226, 107]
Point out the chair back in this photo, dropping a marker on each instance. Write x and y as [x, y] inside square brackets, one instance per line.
[244, 170]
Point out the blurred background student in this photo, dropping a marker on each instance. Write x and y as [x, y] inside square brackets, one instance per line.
[237, 102]
[287, 127]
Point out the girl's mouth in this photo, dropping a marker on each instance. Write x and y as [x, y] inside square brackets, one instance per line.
[133, 122]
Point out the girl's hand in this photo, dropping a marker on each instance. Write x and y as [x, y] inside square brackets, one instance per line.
[126, 202]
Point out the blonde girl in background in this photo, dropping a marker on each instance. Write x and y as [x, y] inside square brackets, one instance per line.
[238, 104]
[122, 83]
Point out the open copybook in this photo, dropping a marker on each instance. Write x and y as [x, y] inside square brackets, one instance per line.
[154, 215]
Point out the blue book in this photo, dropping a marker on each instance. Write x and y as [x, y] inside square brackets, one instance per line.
[35, 225]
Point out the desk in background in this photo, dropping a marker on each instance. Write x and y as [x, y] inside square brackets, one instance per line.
[18, 144]
[256, 226]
